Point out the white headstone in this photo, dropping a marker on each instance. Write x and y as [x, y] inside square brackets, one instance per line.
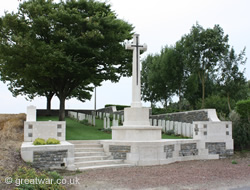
[108, 122]
[104, 122]
[179, 128]
[31, 113]
[163, 124]
[159, 122]
[93, 120]
[167, 125]
[171, 125]
[155, 122]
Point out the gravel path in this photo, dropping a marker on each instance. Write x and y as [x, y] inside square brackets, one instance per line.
[212, 174]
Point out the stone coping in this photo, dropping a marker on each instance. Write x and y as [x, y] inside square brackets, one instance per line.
[154, 141]
[134, 127]
[27, 145]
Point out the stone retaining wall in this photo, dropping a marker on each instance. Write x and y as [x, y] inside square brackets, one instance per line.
[189, 149]
[169, 149]
[185, 117]
[219, 148]
[49, 159]
[119, 152]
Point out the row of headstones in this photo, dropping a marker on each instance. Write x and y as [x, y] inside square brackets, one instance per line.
[82, 116]
[117, 118]
[102, 115]
[179, 128]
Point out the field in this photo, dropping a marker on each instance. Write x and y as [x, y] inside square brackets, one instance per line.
[11, 138]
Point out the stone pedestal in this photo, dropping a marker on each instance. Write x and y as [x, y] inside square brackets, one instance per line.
[136, 127]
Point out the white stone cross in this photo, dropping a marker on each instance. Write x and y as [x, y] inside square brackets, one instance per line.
[136, 73]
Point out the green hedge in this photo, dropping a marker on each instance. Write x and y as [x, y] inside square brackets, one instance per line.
[118, 107]
[243, 108]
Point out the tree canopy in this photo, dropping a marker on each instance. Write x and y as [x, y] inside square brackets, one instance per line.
[67, 48]
[200, 66]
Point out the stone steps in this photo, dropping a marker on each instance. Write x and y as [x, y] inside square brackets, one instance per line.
[84, 154]
[90, 155]
[88, 145]
[89, 158]
[104, 166]
[97, 163]
[88, 149]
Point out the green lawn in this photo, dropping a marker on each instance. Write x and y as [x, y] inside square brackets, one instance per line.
[78, 131]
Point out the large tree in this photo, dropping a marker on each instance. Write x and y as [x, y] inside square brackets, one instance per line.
[204, 48]
[68, 47]
[231, 79]
[162, 76]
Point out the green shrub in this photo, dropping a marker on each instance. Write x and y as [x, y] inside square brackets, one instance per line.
[170, 132]
[243, 108]
[39, 141]
[109, 130]
[85, 122]
[52, 141]
[234, 162]
[31, 175]
[241, 134]
[219, 103]
[157, 111]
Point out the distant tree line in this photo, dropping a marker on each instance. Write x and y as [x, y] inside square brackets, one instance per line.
[201, 69]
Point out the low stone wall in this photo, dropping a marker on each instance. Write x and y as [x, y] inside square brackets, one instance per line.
[110, 109]
[55, 112]
[59, 156]
[49, 159]
[165, 151]
[185, 117]
[219, 148]
[119, 152]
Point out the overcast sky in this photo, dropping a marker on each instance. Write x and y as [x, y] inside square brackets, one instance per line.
[159, 23]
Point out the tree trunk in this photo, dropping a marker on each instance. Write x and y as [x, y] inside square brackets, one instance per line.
[228, 103]
[203, 92]
[180, 100]
[49, 98]
[62, 109]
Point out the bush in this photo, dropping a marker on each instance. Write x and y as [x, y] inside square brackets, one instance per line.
[39, 141]
[84, 122]
[218, 103]
[157, 111]
[31, 175]
[170, 132]
[241, 134]
[243, 108]
[52, 141]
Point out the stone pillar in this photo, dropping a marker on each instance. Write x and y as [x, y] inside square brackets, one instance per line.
[31, 113]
